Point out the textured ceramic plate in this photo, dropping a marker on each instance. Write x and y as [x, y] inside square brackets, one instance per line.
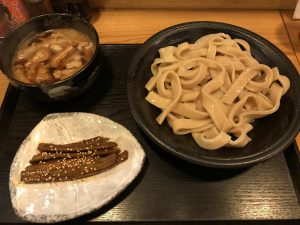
[270, 135]
[53, 202]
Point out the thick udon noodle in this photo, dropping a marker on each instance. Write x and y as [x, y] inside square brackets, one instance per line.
[214, 89]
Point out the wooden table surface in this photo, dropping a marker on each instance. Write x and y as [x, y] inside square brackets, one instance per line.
[135, 26]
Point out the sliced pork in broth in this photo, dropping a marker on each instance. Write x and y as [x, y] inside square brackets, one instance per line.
[52, 56]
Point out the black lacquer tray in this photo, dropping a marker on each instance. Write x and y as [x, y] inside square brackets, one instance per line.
[168, 190]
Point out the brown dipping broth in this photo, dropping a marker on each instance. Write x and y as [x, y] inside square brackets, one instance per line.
[52, 56]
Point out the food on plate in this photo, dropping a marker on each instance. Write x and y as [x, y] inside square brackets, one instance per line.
[52, 56]
[46, 156]
[72, 161]
[214, 88]
[49, 202]
[102, 144]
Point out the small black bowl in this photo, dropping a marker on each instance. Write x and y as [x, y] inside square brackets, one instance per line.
[270, 135]
[61, 90]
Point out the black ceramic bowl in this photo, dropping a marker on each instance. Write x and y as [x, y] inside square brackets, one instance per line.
[270, 135]
[61, 90]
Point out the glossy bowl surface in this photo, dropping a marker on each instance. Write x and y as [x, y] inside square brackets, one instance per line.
[61, 90]
[270, 135]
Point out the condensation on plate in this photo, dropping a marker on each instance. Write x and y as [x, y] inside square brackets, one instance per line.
[54, 202]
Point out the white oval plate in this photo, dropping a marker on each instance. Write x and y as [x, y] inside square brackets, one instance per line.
[54, 202]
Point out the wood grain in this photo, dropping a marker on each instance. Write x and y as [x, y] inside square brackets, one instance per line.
[194, 4]
[3, 86]
[293, 29]
[116, 26]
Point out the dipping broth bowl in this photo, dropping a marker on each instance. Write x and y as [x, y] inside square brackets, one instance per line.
[63, 89]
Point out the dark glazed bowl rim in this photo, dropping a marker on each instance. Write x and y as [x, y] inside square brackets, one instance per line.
[250, 160]
[51, 15]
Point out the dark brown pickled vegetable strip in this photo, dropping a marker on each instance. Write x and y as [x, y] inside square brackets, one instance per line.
[63, 163]
[82, 143]
[55, 175]
[85, 142]
[45, 147]
[71, 163]
[123, 156]
[98, 139]
[46, 156]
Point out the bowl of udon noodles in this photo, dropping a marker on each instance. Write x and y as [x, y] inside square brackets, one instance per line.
[215, 94]
[52, 56]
